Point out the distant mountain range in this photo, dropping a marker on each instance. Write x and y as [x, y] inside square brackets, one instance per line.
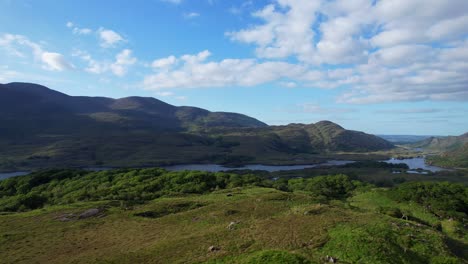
[42, 127]
[441, 144]
[404, 139]
[452, 151]
[35, 110]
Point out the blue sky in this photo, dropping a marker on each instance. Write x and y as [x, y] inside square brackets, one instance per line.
[384, 67]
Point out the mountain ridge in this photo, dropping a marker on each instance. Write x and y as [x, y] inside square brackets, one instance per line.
[40, 126]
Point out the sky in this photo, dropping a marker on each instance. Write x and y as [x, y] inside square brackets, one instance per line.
[379, 66]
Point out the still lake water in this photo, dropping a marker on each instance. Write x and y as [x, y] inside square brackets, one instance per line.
[270, 168]
[416, 163]
[12, 174]
[413, 164]
[211, 168]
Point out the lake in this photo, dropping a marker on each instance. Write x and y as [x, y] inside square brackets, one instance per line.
[12, 174]
[270, 168]
[416, 163]
[212, 168]
[413, 164]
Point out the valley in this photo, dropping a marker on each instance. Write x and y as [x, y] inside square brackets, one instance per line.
[136, 180]
[234, 132]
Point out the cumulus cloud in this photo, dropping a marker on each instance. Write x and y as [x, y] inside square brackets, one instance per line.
[164, 62]
[109, 38]
[77, 30]
[55, 61]
[18, 45]
[122, 61]
[283, 33]
[393, 50]
[118, 67]
[195, 71]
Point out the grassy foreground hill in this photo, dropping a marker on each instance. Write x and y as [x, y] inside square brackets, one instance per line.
[155, 216]
[40, 127]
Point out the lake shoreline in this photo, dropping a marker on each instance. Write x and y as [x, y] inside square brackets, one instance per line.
[414, 164]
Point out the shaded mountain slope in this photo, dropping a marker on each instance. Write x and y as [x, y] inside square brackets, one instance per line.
[42, 127]
[24, 106]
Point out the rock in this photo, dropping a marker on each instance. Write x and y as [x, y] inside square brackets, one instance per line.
[330, 259]
[89, 213]
[214, 248]
[65, 217]
[232, 225]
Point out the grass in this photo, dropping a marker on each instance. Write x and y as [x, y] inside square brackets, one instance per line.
[376, 200]
[271, 226]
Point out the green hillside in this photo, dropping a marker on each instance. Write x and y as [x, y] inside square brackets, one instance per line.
[155, 216]
[457, 158]
[442, 144]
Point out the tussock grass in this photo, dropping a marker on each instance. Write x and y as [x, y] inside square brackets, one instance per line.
[271, 226]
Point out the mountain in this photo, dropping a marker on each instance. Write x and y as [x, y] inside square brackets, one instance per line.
[42, 127]
[441, 144]
[457, 158]
[35, 109]
[326, 135]
[452, 151]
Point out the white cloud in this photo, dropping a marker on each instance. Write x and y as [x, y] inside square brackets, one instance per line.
[13, 43]
[122, 61]
[109, 38]
[164, 93]
[403, 55]
[164, 63]
[55, 61]
[82, 31]
[194, 71]
[77, 30]
[50, 60]
[288, 84]
[284, 33]
[449, 28]
[393, 50]
[6, 74]
[237, 10]
[191, 15]
[119, 67]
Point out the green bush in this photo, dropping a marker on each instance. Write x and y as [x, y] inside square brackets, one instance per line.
[68, 186]
[442, 198]
[327, 187]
